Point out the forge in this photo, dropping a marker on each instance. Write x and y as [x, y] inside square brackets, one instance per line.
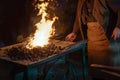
[18, 53]
[25, 60]
[40, 50]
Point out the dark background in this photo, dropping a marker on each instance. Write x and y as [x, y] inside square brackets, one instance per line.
[14, 19]
[17, 17]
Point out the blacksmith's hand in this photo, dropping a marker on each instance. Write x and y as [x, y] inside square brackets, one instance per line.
[116, 33]
[71, 37]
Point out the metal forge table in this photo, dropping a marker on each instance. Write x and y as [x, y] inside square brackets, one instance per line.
[26, 66]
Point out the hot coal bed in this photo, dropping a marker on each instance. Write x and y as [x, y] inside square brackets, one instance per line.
[26, 60]
[20, 54]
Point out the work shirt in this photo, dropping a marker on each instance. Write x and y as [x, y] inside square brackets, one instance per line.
[101, 13]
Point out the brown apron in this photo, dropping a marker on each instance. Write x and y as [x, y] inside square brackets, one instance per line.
[96, 36]
[98, 44]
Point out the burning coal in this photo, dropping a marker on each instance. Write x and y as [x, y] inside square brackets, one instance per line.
[20, 52]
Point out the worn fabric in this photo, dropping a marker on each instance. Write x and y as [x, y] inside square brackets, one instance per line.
[100, 13]
[96, 37]
[98, 44]
[78, 22]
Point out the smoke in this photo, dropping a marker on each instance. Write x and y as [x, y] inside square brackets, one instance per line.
[115, 46]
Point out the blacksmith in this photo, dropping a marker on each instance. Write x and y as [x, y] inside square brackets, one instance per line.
[102, 21]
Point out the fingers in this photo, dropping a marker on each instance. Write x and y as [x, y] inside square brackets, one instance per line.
[115, 36]
[71, 37]
[67, 38]
[115, 33]
[112, 35]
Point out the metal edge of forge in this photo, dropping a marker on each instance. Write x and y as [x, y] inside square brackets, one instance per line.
[72, 47]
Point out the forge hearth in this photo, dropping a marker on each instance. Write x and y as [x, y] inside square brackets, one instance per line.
[18, 53]
[22, 53]
[24, 60]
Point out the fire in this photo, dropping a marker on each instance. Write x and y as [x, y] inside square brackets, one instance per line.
[44, 28]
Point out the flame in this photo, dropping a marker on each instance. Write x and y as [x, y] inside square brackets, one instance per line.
[44, 28]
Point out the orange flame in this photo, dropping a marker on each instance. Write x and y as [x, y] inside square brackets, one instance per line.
[44, 28]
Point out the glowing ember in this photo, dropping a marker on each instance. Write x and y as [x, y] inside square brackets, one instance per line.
[44, 28]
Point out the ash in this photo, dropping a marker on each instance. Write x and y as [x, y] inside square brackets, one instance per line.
[35, 54]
